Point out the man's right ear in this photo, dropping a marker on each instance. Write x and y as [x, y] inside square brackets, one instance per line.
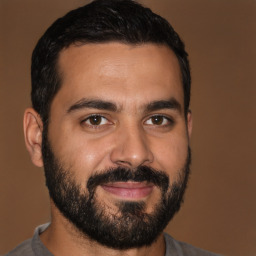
[33, 129]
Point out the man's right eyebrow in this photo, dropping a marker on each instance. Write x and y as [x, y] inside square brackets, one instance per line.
[93, 103]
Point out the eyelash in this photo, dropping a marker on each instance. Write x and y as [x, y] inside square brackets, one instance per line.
[95, 126]
[170, 121]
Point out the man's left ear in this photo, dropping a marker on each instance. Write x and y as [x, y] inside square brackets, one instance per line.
[189, 123]
[33, 129]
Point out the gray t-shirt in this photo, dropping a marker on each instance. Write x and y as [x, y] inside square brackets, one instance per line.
[34, 247]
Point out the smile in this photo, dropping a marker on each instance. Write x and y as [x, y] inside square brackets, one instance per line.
[129, 190]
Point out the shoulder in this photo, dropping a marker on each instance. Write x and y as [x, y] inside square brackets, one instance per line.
[32, 246]
[183, 249]
[24, 248]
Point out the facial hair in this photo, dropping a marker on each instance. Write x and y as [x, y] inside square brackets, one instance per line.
[131, 226]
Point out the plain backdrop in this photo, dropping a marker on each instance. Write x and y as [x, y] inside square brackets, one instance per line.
[220, 204]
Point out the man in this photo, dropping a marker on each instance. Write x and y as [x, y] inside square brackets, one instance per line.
[111, 124]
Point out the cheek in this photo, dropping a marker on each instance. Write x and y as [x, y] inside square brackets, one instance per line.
[82, 155]
[171, 154]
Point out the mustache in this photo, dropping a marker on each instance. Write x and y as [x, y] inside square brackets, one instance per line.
[120, 174]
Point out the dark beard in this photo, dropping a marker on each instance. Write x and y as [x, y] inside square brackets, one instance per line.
[131, 227]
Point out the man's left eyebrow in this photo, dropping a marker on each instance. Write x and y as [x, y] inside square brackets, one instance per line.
[164, 104]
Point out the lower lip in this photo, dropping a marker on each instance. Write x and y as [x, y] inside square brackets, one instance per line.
[128, 192]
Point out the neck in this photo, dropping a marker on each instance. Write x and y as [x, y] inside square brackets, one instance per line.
[62, 238]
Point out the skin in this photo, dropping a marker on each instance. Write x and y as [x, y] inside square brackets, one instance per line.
[130, 77]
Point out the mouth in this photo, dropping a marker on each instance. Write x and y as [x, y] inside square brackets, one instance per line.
[129, 190]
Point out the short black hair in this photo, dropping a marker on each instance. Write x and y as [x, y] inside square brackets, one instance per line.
[100, 21]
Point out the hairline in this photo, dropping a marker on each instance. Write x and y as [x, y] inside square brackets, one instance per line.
[79, 43]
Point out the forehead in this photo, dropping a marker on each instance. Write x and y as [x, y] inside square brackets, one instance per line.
[119, 72]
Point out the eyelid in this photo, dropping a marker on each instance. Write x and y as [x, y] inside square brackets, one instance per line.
[169, 119]
[103, 116]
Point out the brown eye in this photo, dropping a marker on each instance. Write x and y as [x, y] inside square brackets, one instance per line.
[96, 120]
[157, 120]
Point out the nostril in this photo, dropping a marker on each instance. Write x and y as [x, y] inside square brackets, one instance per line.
[125, 164]
[132, 148]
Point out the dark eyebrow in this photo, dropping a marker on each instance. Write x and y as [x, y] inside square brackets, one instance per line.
[164, 104]
[93, 103]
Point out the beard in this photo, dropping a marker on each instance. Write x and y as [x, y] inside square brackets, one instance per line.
[130, 227]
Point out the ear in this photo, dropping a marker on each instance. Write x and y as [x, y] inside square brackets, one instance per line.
[33, 128]
[189, 123]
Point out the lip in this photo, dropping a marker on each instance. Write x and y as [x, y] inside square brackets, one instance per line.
[129, 190]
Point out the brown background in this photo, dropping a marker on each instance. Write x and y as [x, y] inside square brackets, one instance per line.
[220, 207]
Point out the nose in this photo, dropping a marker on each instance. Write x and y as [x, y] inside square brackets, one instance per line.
[132, 148]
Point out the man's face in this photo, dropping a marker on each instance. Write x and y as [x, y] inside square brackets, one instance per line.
[117, 138]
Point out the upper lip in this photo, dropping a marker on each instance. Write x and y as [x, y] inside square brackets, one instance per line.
[129, 184]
